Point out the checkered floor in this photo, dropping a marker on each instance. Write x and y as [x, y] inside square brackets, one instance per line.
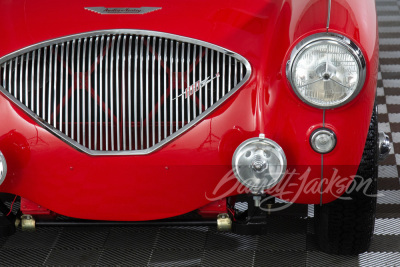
[291, 241]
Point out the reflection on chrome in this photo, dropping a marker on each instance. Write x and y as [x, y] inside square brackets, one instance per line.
[3, 168]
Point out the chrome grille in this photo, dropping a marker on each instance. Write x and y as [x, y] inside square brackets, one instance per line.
[122, 91]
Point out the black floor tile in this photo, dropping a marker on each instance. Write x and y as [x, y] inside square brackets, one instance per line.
[282, 242]
[181, 239]
[130, 239]
[73, 257]
[164, 258]
[322, 259]
[280, 258]
[32, 240]
[124, 257]
[228, 258]
[23, 257]
[78, 238]
[230, 241]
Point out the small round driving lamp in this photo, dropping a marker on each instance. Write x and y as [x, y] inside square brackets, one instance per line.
[323, 140]
[259, 163]
[326, 70]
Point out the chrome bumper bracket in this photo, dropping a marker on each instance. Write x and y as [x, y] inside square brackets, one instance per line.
[384, 146]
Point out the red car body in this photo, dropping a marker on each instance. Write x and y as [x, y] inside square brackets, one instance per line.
[186, 173]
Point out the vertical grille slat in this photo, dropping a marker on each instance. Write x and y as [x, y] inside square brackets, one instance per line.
[21, 65]
[171, 92]
[187, 86]
[37, 83]
[44, 84]
[78, 102]
[206, 73]
[229, 72]
[223, 75]
[176, 84]
[218, 73]
[9, 76]
[141, 92]
[26, 81]
[32, 83]
[153, 92]
[89, 91]
[73, 90]
[4, 75]
[101, 128]
[95, 124]
[165, 87]
[135, 92]
[67, 89]
[236, 72]
[84, 93]
[194, 72]
[106, 87]
[49, 87]
[123, 99]
[241, 71]
[130, 93]
[121, 92]
[15, 82]
[212, 72]
[111, 88]
[200, 75]
[159, 91]
[62, 100]
[147, 90]
[182, 93]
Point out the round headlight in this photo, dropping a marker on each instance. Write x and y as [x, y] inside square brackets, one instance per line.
[259, 164]
[326, 70]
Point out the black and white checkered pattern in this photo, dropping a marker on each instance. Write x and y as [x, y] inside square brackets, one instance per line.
[291, 241]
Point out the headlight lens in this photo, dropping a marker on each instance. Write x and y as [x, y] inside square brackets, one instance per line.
[326, 71]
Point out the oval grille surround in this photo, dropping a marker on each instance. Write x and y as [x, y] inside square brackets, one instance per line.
[123, 92]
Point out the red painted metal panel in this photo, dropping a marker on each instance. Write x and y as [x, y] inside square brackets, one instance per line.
[190, 171]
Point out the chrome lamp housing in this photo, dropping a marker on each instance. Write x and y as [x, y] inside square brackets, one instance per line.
[326, 70]
[259, 163]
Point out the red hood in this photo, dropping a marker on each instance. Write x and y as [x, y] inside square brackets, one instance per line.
[250, 29]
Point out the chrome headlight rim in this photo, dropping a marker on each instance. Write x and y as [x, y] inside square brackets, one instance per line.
[337, 39]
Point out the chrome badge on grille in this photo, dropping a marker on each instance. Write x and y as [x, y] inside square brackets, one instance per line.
[122, 10]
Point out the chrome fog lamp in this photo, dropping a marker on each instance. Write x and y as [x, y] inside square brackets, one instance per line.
[323, 140]
[259, 163]
[326, 70]
[3, 168]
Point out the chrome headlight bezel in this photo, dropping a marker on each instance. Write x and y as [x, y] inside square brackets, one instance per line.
[337, 39]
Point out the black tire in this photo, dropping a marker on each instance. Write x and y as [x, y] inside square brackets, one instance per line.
[345, 227]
